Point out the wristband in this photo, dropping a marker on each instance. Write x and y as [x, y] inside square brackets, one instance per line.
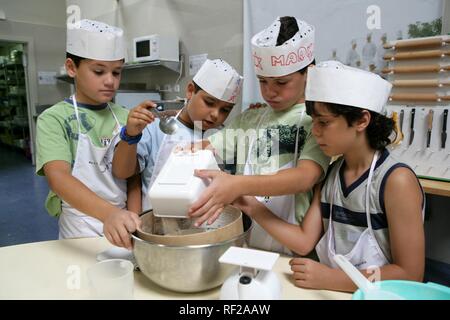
[129, 139]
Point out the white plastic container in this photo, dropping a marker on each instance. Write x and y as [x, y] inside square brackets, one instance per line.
[111, 279]
[176, 187]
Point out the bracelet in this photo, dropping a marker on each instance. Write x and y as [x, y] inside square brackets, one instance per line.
[129, 139]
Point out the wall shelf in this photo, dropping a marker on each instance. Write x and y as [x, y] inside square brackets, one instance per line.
[65, 78]
[440, 188]
[13, 106]
[171, 65]
[174, 66]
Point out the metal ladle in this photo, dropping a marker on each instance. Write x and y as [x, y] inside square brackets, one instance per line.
[167, 124]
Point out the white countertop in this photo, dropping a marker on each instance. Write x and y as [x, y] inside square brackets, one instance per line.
[49, 269]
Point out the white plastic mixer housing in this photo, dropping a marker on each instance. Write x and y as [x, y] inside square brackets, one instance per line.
[253, 280]
[176, 187]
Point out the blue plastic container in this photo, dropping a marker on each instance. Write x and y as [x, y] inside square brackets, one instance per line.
[411, 290]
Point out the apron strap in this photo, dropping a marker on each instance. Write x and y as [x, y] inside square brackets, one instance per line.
[75, 106]
[114, 115]
[369, 181]
[367, 200]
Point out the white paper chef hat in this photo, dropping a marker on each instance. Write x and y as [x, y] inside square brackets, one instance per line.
[296, 53]
[333, 82]
[219, 79]
[95, 40]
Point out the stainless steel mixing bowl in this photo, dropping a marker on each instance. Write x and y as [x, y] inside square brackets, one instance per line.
[187, 268]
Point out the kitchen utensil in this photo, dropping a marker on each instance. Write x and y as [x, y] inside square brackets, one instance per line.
[115, 253]
[421, 83]
[111, 279]
[167, 124]
[398, 129]
[402, 117]
[417, 43]
[411, 290]
[370, 290]
[411, 134]
[183, 231]
[406, 55]
[414, 97]
[253, 280]
[176, 187]
[429, 126]
[444, 129]
[433, 68]
[187, 268]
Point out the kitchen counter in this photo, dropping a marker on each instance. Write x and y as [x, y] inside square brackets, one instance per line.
[57, 270]
[440, 188]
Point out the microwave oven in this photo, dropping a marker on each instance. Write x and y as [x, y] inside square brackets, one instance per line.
[155, 47]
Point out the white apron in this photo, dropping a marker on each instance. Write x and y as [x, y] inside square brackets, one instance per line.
[366, 252]
[281, 206]
[183, 135]
[92, 167]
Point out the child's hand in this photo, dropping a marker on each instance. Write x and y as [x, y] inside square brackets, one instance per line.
[139, 117]
[309, 274]
[222, 191]
[118, 227]
[245, 204]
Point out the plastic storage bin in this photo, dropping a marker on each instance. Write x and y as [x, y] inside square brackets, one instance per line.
[176, 187]
[411, 290]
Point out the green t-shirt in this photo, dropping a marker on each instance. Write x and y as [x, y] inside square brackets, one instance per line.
[57, 135]
[275, 133]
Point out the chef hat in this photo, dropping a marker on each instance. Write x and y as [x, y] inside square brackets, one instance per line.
[296, 53]
[333, 82]
[95, 40]
[219, 79]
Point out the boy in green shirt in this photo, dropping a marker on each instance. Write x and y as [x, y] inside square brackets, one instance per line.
[76, 138]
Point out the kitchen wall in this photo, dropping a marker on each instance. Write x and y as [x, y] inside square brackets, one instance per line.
[446, 17]
[42, 22]
[48, 45]
[203, 26]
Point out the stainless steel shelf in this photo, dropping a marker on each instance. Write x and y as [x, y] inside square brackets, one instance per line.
[65, 78]
[174, 66]
[171, 65]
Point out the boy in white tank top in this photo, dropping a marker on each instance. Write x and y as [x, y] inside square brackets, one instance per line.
[378, 228]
